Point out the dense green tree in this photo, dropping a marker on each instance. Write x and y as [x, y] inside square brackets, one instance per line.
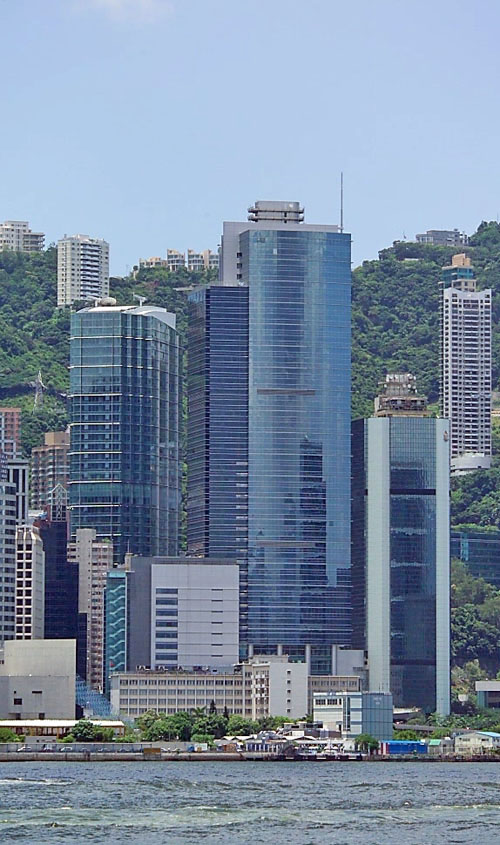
[366, 742]
[85, 731]
[238, 725]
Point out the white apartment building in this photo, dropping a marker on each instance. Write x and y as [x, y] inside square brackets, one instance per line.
[30, 584]
[94, 558]
[466, 365]
[17, 236]
[82, 269]
[175, 259]
[154, 261]
[199, 261]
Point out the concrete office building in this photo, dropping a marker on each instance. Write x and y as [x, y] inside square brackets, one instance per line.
[466, 365]
[124, 427]
[82, 269]
[30, 584]
[265, 686]
[443, 237]
[268, 441]
[37, 679]
[17, 236]
[10, 431]
[355, 713]
[94, 559]
[401, 557]
[49, 468]
[178, 612]
[8, 523]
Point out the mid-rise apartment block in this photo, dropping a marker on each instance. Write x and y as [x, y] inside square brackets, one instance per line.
[401, 556]
[124, 427]
[10, 431]
[199, 261]
[466, 365]
[82, 269]
[94, 559]
[30, 584]
[443, 237]
[269, 439]
[17, 236]
[192, 260]
[49, 469]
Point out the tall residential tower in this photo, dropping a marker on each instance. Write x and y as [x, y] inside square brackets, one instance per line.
[466, 365]
[82, 269]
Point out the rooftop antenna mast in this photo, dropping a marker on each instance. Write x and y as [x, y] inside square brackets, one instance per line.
[341, 201]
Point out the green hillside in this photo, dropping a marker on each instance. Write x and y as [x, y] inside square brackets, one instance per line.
[395, 327]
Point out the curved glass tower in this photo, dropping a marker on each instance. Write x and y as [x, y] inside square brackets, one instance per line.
[124, 424]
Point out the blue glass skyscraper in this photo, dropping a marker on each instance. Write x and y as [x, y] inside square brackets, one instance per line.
[291, 531]
[124, 423]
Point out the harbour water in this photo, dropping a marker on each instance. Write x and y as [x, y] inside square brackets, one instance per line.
[294, 803]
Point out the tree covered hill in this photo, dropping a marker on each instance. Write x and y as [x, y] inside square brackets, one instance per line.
[395, 321]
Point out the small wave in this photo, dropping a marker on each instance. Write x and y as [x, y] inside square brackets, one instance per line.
[34, 782]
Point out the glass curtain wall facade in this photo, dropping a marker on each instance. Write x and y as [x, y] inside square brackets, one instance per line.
[298, 440]
[218, 422]
[124, 424]
[403, 559]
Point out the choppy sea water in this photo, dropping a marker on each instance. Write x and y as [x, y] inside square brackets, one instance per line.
[294, 803]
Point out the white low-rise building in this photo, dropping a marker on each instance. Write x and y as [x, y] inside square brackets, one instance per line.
[355, 713]
[477, 742]
[37, 679]
[266, 685]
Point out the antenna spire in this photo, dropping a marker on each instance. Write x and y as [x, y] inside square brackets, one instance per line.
[341, 200]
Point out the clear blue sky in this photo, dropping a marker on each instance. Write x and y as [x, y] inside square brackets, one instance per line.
[148, 122]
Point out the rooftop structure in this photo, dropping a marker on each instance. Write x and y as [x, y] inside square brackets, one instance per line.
[443, 237]
[399, 396]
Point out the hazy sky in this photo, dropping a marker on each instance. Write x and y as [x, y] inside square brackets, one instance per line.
[148, 122]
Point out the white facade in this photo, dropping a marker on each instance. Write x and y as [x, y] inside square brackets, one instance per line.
[466, 366]
[355, 713]
[279, 688]
[94, 559]
[264, 686]
[194, 613]
[200, 261]
[17, 236]
[82, 269]
[18, 475]
[476, 742]
[30, 584]
[7, 560]
[37, 679]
